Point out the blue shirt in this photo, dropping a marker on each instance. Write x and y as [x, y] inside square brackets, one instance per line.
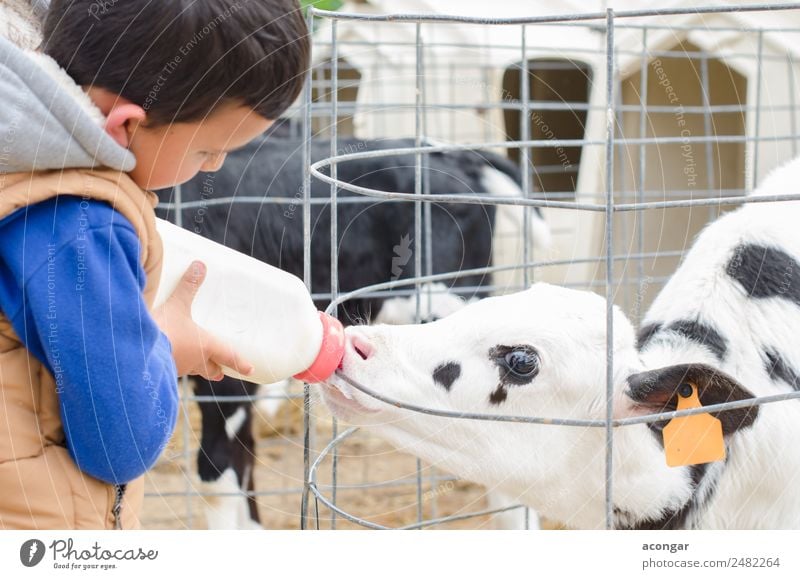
[71, 285]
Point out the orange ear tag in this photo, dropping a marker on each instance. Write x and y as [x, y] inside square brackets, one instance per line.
[695, 439]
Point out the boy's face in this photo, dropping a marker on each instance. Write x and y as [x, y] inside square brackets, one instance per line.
[172, 154]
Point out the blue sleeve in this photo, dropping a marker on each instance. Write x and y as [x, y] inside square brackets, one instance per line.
[71, 285]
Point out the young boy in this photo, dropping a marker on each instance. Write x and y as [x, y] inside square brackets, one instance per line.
[111, 100]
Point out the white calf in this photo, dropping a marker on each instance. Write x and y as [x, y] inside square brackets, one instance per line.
[727, 321]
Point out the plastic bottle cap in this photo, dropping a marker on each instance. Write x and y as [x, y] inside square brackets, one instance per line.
[330, 354]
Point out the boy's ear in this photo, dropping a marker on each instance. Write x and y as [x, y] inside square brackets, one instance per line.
[657, 391]
[120, 113]
[119, 119]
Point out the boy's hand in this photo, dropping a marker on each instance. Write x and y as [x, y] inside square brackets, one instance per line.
[195, 350]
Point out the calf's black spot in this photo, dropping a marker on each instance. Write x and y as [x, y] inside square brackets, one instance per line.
[693, 330]
[646, 333]
[765, 272]
[777, 367]
[702, 334]
[446, 374]
[499, 395]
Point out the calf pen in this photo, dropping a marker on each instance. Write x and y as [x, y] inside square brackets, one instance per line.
[635, 128]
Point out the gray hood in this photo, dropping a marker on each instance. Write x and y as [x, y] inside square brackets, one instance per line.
[46, 120]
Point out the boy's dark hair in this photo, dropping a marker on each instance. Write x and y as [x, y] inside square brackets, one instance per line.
[180, 59]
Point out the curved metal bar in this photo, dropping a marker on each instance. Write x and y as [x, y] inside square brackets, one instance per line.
[571, 421]
[467, 415]
[443, 18]
[315, 490]
[389, 285]
[480, 199]
[460, 198]
[465, 516]
[312, 482]
[707, 202]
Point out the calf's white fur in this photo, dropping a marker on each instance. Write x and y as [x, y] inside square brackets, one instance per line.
[727, 320]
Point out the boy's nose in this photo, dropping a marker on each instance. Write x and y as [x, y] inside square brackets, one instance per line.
[213, 164]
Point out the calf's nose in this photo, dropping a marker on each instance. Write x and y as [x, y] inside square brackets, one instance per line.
[361, 345]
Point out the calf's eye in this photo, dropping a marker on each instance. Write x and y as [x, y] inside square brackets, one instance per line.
[518, 364]
[522, 363]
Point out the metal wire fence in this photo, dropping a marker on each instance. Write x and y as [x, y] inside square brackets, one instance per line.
[669, 118]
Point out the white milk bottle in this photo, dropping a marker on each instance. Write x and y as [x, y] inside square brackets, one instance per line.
[263, 312]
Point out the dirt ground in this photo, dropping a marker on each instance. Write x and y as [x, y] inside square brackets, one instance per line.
[174, 496]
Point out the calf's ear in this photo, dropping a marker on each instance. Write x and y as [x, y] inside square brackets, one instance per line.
[657, 391]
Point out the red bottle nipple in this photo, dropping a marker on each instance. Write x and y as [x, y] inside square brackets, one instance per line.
[330, 354]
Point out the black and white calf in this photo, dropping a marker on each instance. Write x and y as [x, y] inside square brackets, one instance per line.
[375, 244]
[726, 321]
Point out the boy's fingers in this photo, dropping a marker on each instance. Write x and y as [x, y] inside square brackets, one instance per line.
[212, 371]
[224, 355]
[190, 282]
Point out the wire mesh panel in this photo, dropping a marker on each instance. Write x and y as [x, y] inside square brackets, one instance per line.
[669, 136]
[633, 130]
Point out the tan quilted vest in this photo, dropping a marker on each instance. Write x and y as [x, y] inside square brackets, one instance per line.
[40, 485]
